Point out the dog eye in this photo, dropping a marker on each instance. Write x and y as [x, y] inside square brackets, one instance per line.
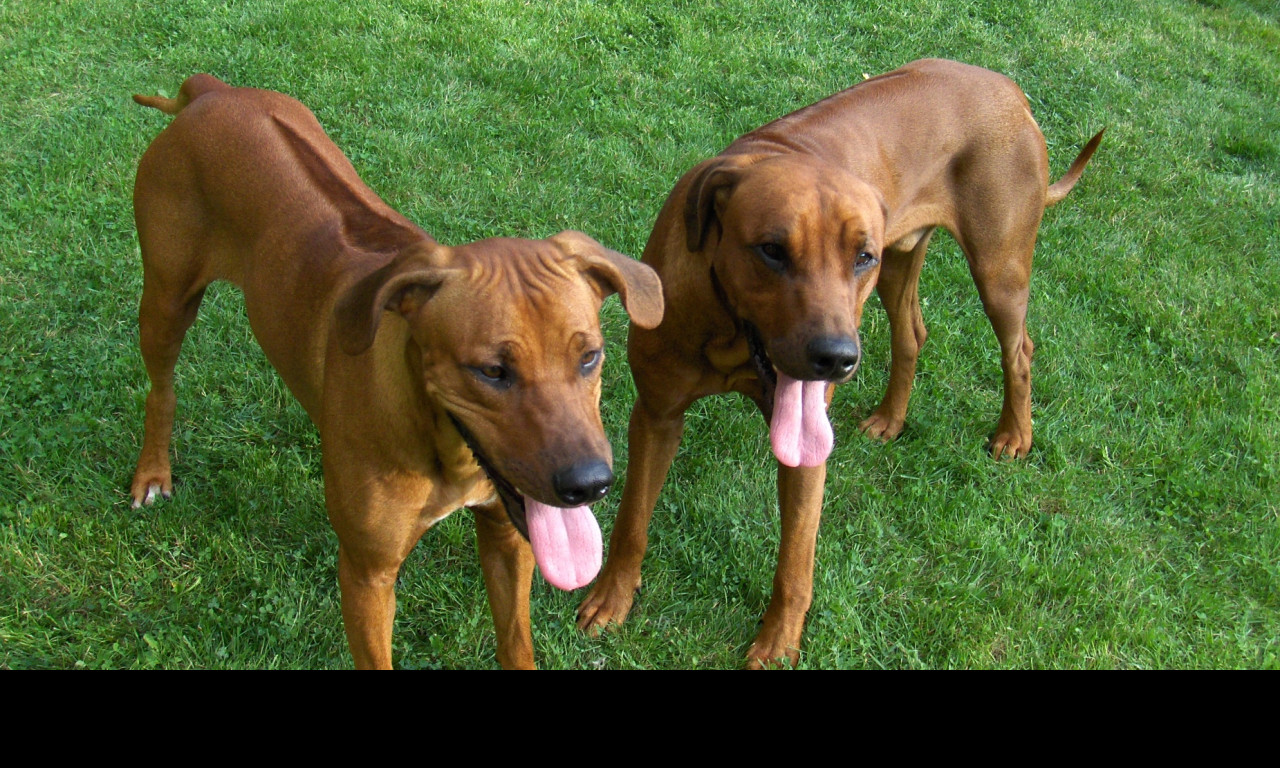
[494, 375]
[773, 255]
[590, 360]
[865, 259]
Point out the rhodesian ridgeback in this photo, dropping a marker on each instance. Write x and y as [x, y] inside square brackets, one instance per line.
[439, 377]
[767, 253]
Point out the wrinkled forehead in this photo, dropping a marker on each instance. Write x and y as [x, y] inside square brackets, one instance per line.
[518, 291]
[791, 194]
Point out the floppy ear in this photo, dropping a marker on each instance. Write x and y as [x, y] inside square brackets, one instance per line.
[402, 285]
[365, 225]
[634, 282]
[709, 186]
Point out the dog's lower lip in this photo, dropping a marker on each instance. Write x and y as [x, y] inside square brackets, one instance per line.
[764, 365]
[512, 499]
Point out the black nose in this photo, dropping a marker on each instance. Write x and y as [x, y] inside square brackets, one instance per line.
[583, 482]
[833, 357]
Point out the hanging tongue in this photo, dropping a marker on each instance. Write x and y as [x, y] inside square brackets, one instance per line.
[800, 431]
[566, 543]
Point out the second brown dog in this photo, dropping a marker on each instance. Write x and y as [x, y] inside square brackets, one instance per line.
[767, 253]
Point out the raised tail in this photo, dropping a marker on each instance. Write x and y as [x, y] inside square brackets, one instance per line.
[1062, 186]
[195, 86]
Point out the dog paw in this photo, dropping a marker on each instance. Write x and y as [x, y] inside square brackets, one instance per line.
[768, 655]
[777, 644]
[880, 427]
[608, 602]
[1010, 445]
[146, 489]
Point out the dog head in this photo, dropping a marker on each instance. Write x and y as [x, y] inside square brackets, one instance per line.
[795, 245]
[507, 338]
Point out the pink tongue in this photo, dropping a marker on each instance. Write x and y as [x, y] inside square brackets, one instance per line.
[800, 431]
[566, 543]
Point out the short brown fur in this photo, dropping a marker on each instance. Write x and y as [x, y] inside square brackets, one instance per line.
[378, 330]
[850, 190]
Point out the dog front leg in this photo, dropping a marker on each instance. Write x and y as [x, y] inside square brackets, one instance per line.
[507, 562]
[898, 287]
[368, 585]
[652, 441]
[800, 502]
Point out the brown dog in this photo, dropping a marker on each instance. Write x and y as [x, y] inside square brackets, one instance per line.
[438, 377]
[767, 253]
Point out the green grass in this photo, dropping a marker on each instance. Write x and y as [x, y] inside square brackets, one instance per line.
[1143, 530]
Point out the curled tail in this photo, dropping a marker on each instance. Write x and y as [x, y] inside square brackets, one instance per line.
[195, 86]
[1062, 186]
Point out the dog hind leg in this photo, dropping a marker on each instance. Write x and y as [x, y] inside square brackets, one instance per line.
[1002, 271]
[167, 310]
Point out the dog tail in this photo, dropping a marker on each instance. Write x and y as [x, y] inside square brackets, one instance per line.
[1062, 186]
[194, 87]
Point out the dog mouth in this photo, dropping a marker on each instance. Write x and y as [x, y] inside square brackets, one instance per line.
[800, 432]
[567, 544]
[763, 365]
[512, 500]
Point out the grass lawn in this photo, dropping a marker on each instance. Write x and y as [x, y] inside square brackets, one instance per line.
[1143, 530]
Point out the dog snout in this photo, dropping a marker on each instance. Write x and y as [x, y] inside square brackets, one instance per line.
[583, 483]
[833, 358]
